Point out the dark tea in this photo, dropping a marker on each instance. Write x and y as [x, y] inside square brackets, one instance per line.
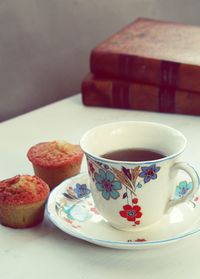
[134, 154]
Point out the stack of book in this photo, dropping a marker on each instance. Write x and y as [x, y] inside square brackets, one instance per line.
[149, 65]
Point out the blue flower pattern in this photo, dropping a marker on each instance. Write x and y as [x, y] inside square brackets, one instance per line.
[183, 188]
[149, 173]
[81, 190]
[107, 184]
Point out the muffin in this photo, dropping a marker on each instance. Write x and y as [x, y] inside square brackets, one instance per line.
[22, 200]
[55, 161]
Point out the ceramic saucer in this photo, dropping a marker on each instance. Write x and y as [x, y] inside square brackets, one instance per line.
[71, 208]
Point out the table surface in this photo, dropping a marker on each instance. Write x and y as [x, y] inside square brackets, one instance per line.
[45, 251]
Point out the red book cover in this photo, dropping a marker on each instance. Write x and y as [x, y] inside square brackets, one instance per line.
[117, 93]
[151, 51]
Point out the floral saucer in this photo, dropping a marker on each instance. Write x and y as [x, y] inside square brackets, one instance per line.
[71, 208]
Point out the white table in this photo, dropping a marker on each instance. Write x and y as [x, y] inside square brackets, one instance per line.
[45, 251]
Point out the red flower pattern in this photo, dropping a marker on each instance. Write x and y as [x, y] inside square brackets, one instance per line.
[132, 212]
[140, 240]
[93, 209]
[137, 240]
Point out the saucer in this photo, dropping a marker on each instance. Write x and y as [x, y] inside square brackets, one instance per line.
[71, 208]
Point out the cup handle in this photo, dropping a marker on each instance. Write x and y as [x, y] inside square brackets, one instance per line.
[195, 183]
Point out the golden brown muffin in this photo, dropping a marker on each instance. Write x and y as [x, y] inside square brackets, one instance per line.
[55, 161]
[22, 201]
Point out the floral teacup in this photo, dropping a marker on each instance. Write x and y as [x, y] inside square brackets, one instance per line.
[134, 195]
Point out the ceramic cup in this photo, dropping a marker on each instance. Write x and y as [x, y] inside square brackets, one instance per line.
[135, 195]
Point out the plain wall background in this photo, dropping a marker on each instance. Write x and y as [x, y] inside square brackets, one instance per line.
[45, 44]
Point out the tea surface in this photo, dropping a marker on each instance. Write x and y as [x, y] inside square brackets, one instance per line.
[134, 155]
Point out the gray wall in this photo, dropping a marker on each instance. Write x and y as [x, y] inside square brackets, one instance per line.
[45, 44]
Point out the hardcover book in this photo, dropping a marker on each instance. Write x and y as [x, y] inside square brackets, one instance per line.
[153, 52]
[117, 93]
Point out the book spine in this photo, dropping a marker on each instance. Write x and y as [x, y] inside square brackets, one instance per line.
[145, 70]
[127, 95]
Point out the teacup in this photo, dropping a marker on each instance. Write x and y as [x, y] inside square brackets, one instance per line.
[134, 195]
